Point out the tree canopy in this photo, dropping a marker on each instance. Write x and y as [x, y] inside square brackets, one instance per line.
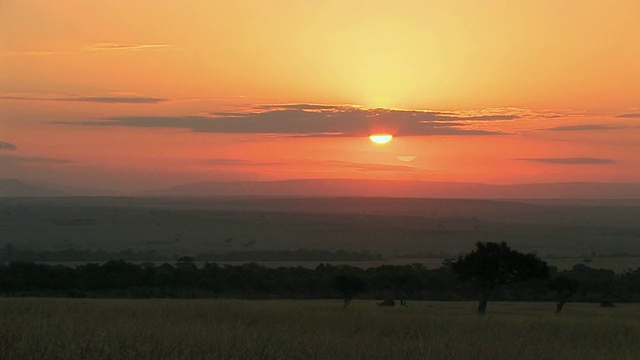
[492, 264]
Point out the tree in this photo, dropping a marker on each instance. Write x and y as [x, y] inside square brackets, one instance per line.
[492, 264]
[565, 288]
[405, 283]
[186, 274]
[399, 281]
[349, 286]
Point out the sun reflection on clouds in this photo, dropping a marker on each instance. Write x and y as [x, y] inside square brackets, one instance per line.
[406, 158]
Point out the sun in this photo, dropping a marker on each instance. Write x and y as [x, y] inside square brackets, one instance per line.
[381, 138]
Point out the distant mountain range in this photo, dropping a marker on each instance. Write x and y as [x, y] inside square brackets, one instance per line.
[390, 188]
[13, 187]
[351, 187]
[19, 188]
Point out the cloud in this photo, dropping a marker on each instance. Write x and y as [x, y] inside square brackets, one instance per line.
[97, 47]
[430, 115]
[126, 47]
[570, 161]
[627, 116]
[32, 53]
[315, 121]
[7, 146]
[314, 135]
[366, 167]
[583, 127]
[94, 99]
[348, 165]
[118, 99]
[406, 158]
[33, 160]
[483, 117]
[238, 162]
[296, 107]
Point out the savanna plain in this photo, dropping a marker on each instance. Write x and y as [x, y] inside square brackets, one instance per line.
[599, 233]
[284, 329]
[428, 230]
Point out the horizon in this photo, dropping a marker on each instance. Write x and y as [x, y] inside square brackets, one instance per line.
[343, 188]
[129, 97]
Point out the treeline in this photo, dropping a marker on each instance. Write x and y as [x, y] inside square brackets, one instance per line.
[9, 253]
[252, 281]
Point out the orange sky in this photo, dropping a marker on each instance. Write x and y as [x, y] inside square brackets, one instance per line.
[137, 94]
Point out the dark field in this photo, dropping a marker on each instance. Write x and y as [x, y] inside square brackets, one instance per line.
[562, 232]
[224, 329]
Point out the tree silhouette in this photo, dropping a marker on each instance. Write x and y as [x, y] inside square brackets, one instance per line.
[405, 283]
[349, 286]
[565, 288]
[492, 264]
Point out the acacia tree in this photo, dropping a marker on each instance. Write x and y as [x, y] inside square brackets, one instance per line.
[492, 264]
[565, 288]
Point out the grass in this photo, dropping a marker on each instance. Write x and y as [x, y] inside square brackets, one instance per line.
[226, 329]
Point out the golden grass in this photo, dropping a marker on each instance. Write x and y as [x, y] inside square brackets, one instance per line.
[286, 329]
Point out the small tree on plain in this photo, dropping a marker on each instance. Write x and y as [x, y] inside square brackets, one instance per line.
[492, 264]
[349, 286]
[405, 284]
[564, 288]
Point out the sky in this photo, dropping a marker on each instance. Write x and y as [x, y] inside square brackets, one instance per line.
[138, 94]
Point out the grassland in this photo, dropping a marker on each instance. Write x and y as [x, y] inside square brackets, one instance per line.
[391, 227]
[225, 329]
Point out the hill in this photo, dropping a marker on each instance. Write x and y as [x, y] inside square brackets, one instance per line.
[391, 188]
[13, 187]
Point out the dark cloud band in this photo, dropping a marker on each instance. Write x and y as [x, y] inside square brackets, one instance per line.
[570, 161]
[347, 165]
[583, 127]
[32, 160]
[94, 99]
[629, 116]
[7, 146]
[315, 121]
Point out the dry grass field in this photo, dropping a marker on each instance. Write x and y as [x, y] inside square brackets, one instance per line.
[227, 329]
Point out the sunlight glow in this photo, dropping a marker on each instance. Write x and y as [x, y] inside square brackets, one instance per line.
[381, 138]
